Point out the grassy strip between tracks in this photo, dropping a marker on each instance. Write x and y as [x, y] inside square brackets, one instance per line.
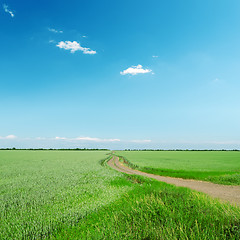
[219, 177]
[155, 210]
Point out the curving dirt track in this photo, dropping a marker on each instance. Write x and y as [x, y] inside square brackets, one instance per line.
[222, 192]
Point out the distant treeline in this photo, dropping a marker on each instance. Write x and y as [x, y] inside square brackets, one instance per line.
[181, 150]
[60, 149]
[103, 149]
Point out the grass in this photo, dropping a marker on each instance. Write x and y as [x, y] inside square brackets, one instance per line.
[74, 195]
[221, 167]
[155, 210]
[42, 190]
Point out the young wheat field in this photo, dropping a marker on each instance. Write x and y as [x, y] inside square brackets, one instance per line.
[221, 167]
[42, 190]
[75, 195]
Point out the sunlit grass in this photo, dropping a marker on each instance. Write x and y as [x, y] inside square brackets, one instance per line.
[221, 167]
[155, 210]
[42, 190]
[74, 195]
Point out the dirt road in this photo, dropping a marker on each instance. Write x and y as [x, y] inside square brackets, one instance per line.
[222, 192]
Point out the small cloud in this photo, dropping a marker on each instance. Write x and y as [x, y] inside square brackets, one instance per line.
[54, 30]
[96, 139]
[84, 36]
[154, 56]
[134, 70]
[91, 139]
[52, 41]
[74, 46]
[7, 10]
[141, 141]
[60, 138]
[87, 138]
[9, 137]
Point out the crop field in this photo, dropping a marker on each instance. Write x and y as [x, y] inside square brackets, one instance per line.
[75, 195]
[221, 167]
[42, 190]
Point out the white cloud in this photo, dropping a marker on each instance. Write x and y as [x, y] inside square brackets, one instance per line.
[7, 10]
[87, 139]
[91, 139]
[54, 30]
[84, 36]
[97, 139]
[8, 137]
[142, 141]
[74, 46]
[135, 70]
[52, 41]
[60, 138]
[155, 56]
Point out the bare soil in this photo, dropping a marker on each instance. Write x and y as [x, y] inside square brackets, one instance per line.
[227, 193]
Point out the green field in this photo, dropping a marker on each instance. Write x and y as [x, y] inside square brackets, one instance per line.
[74, 195]
[217, 166]
[42, 190]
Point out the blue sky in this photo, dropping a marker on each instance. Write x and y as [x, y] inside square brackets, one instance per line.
[120, 74]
